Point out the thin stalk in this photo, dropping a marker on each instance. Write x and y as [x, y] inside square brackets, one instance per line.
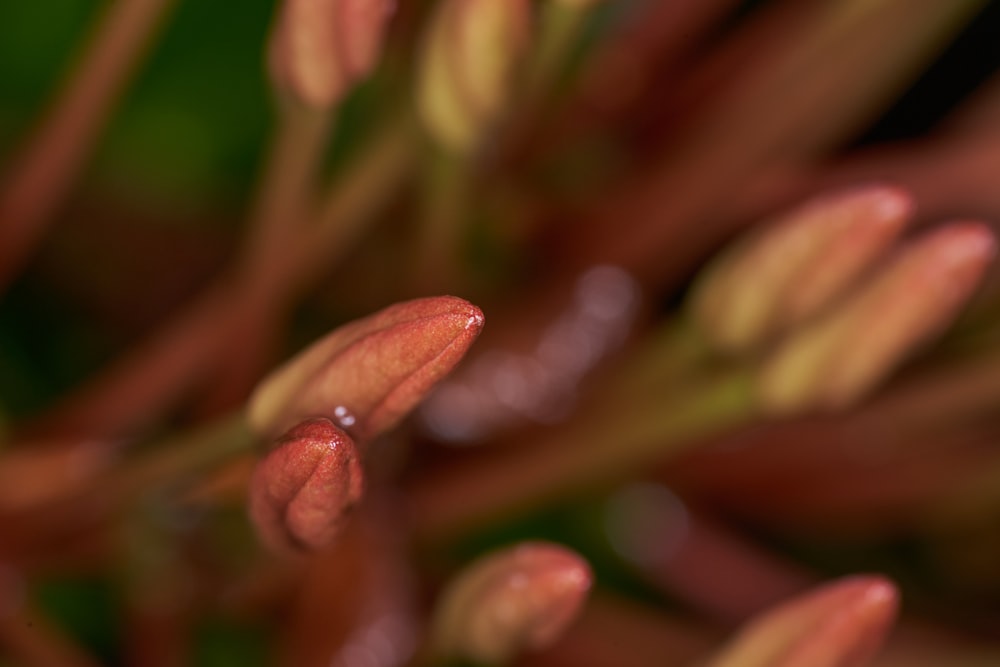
[597, 450]
[615, 630]
[278, 216]
[561, 24]
[139, 385]
[671, 354]
[349, 205]
[171, 464]
[445, 198]
[40, 176]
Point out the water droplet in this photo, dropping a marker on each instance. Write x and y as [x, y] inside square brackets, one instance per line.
[344, 417]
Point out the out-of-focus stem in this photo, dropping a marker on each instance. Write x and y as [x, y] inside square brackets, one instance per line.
[669, 355]
[790, 107]
[139, 385]
[350, 203]
[445, 196]
[39, 177]
[609, 622]
[560, 27]
[279, 214]
[170, 464]
[612, 441]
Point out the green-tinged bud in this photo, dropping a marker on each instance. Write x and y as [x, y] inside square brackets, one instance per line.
[302, 491]
[320, 48]
[517, 599]
[795, 268]
[842, 624]
[469, 56]
[368, 374]
[835, 360]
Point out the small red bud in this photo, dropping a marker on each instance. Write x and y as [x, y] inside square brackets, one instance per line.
[301, 492]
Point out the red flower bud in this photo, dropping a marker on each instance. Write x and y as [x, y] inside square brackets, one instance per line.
[301, 491]
[368, 374]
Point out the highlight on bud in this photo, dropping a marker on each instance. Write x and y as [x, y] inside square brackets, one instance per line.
[368, 374]
[842, 624]
[467, 64]
[835, 360]
[796, 267]
[517, 599]
[320, 48]
[302, 491]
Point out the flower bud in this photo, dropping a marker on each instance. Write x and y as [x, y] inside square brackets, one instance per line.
[301, 492]
[839, 625]
[467, 64]
[513, 600]
[794, 268]
[834, 361]
[320, 48]
[368, 374]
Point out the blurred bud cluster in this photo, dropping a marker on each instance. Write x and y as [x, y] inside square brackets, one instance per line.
[563, 333]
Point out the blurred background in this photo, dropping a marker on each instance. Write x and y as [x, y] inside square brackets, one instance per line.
[159, 209]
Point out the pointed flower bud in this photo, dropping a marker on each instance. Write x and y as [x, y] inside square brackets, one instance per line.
[835, 360]
[320, 48]
[469, 55]
[513, 600]
[796, 267]
[301, 492]
[368, 374]
[838, 625]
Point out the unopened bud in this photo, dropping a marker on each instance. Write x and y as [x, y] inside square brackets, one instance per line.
[795, 268]
[835, 360]
[302, 491]
[517, 599]
[842, 624]
[469, 56]
[321, 48]
[368, 374]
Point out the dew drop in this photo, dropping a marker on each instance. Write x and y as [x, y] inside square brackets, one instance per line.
[344, 417]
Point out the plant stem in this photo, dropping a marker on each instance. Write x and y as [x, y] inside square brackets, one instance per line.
[437, 257]
[671, 354]
[139, 385]
[278, 217]
[560, 29]
[600, 448]
[787, 107]
[38, 179]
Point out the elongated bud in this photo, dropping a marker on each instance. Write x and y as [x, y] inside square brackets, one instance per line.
[302, 491]
[320, 48]
[796, 267]
[368, 374]
[468, 58]
[513, 600]
[839, 625]
[835, 360]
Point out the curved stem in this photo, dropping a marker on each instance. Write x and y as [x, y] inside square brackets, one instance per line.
[39, 177]
[605, 445]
